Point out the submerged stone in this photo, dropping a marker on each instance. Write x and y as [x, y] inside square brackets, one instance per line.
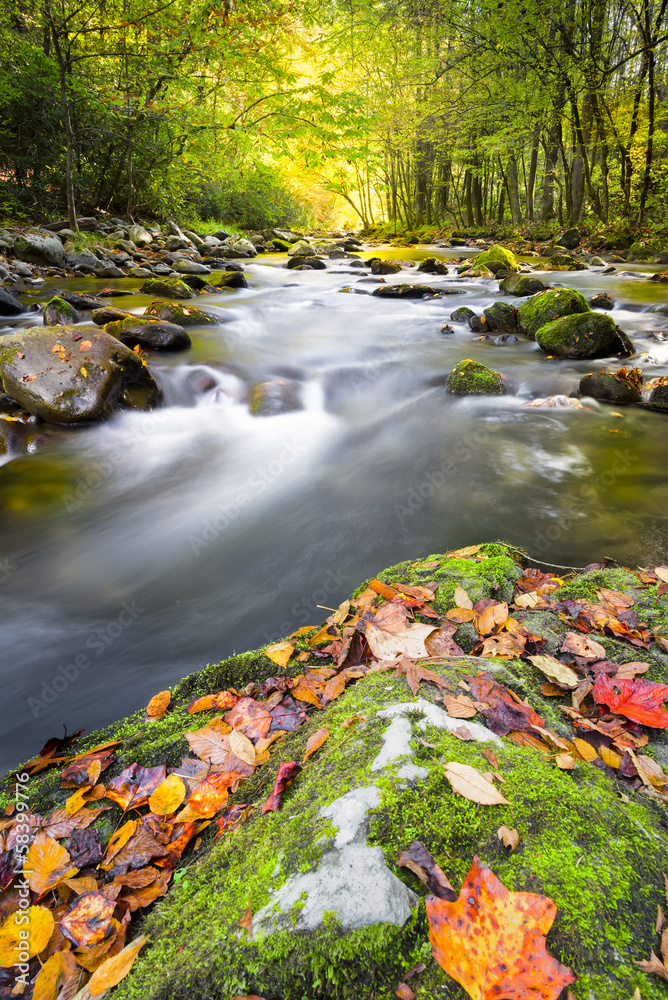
[275, 396]
[606, 387]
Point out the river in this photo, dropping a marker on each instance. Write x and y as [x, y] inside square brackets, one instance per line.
[141, 549]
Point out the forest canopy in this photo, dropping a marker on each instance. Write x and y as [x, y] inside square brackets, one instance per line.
[285, 112]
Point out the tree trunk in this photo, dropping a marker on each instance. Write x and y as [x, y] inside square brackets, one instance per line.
[514, 191]
[69, 133]
[533, 168]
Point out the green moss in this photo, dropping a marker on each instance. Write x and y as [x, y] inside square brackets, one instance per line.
[471, 378]
[589, 335]
[170, 288]
[497, 258]
[547, 306]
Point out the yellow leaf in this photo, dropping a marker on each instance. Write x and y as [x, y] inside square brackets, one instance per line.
[565, 761]
[12, 946]
[83, 372]
[47, 863]
[280, 653]
[242, 747]
[168, 796]
[585, 749]
[471, 784]
[119, 840]
[462, 599]
[115, 968]
[60, 966]
[76, 801]
[555, 670]
[610, 757]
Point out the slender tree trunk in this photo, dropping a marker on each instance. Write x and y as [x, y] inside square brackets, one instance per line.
[514, 191]
[649, 151]
[533, 168]
[69, 132]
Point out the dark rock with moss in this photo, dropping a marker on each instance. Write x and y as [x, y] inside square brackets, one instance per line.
[433, 266]
[521, 285]
[497, 258]
[462, 315]
[172, 312]
[312, 263]
[173, 289]
[70, 375]
[659, 394]
[231, 279]
[405, 291]
[153, 335]
[470, 378]
[500, 317]
[594, 843]
[108, 314]
[584, 335]
[80, 301]
[562, 262]
[547, 306]
[59, 312]
[269, 399]
[601, 301]
[39, 248]
[385, 266]
[609, 389]
[570, 239]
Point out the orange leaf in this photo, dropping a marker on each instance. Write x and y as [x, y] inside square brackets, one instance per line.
[314, 742]
[159, 704]
[56, 970]
[246, 920]
[168, 796]
[116, 968]
[88, 919]
[490, 618]
[488, 921]
[47, 863]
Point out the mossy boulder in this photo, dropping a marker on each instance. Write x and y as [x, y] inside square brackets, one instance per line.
[69, 375]
[561, 262]
[169, 289]
[151, 334]
[39, 248]
[232, 279]
[497, 258]
[469, 378]
[547, 306]
[609, 389]
[172, 312]
[476, 270]
[433, 266]
[58, 312]
[521, 285]
[501, 317]
[584, 335]
[594, 844]
[601, 301]
[462, 315]
[385, 266]
[275, 396]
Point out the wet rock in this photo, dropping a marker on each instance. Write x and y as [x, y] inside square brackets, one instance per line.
[9, 405]
[497, 258]
[562, 262]
[84, 303]
[570, 239]
[385, 266]
[469, 378]
[501, 317]
[281, 246]
[108, 271]
[547, 306]
[601, 301]
[302, 249]
[661, 276]
[172, 312]
[186, 266]
[141, 272]
[506, 338]
[174, 289]
[405, 292]
[9, 305]
[277, 396]
[521, 285]
[609, 388]
[151, 334]
[59, 312]
[596, 262]
[198, 282]
[69, 375]
[447, 329]
[476, 271]
[583, 335]
[433, 266]
[39, 248]
[81, 259]
[462, 315]
[231, 279]
[659, 394]
[108, 314]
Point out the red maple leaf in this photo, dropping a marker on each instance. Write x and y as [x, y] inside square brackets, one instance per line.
[639, 700]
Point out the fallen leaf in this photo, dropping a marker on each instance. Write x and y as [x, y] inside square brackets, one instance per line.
[565, 761]
[468, 550]
[287, 772]
[85, 345]
[168, 796]
[459, 706]
[654, 967]
[39, 925]
[404, 992]
[242, 747]
[159, 704]
[211, 795]
[47, 864]
[135, 784]
[246, 921]
[249, 718]
[441, 643]
[509, 838]
[84, 848]
[462, 733]
[503, 712]
[638, 700]
[462, 599]
[88, 919]
[418, 860]
[56, 970]
[610, 757]
[490, 755]
[314, 742]
[280, 653]
[491, 618]
[582, 645]
[115, 968]
[470, 783]
[555, 670]
[585, 749]
[488, 921]
[389, 635]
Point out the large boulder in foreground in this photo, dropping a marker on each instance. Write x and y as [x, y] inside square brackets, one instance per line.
[330, 908]
[470, 378]
[584, 335]
[547, 306]
[622, 388]
[70, 375]
[39, 248]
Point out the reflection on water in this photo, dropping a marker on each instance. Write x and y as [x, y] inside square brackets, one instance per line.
[138, 550]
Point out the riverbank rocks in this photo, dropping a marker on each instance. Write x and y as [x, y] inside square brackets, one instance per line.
[404, 292]
[601, 301]
[186, 266]
[172, 312]
[469, 378]
[561, 262]
[139, 236]
[10, 305]
[69, 375]
[231, 279]
[59, 312]
[239, 246]
[500, 317]
[169, 289]
[521, 285]
[384, 266]
[39, 248]
[547, 306]
[497, 258]
[302, 248]
[433, 266]
[276, 396]
[609, 387]
[583, 335]
[153, 335]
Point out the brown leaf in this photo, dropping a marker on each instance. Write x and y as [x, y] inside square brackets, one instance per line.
[654, 967]
[389, 635]
[490, 755]
[250, 718]
[491, 618]
[55, 971]
[465, 553]
[404, 992]
[471, 784]
[314, 742]
[441, 643]
[582, 645]
[242, 747]
[418, 860]
[459, 706]
[246, 921]
[509, 838]
[135, 784]
[555, 670]
[140, 849]
[159, 704]
[462, 599]
[565, 761]
[462, 733]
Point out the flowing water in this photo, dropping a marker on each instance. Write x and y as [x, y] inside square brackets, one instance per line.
[138, 550]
